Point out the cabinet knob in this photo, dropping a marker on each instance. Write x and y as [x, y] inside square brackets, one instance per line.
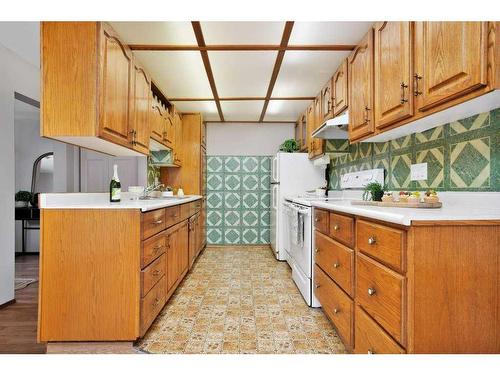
[336, 227]
[316, 250]
[336, 265]
[336, 311]
[156, 272]
[371, 291]
[158, 222]
[157, 248]
[316, 219]
[316, 286]
[372, 240]
[371, 351]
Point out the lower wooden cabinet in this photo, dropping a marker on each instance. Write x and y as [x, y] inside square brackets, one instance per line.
[423, 288]
[151, 305]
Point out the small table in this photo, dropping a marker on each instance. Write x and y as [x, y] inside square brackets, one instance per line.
[27, 214]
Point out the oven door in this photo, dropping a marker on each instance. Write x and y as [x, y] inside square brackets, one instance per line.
[301, 245]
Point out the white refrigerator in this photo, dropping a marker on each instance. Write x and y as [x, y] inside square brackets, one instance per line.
[291, 174]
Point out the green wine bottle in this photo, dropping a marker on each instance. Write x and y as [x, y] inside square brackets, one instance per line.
[115, 188]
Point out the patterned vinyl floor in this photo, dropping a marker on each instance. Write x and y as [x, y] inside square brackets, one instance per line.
[240, 300]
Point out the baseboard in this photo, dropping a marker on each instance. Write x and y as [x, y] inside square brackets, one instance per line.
[8, 303]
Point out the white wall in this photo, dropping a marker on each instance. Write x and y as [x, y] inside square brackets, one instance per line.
[15, 75]
[246, 139]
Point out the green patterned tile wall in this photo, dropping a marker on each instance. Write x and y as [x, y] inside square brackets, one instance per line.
[461, 156]
[238, 199]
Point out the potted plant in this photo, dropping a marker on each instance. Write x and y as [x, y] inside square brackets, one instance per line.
[22, 198]
[373, 191]
[290, 145]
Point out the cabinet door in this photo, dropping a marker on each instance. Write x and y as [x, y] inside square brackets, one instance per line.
[172, 245]
[192, 241]
[303, 132]
[157, 121]
[177, 139]
[451, 59]
[140, 121]
[169, 129]
[326, 102]
[318, 120]
[183, 248]
[115, 88]
[361, 88]
[310, 129]
[393, 72]
[340, 89]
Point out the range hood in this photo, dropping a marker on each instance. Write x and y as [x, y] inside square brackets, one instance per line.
[160, 156]
[335, 128]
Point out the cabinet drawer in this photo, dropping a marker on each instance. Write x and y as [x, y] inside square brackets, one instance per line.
[153, 222]
[370, 338]
[342, 228]
[336, 260]
[152, 248]
[321, 220]
[383, 243]
[152, 304]
[336, 304]
[381, 292]
[152, 274]
[172, 216]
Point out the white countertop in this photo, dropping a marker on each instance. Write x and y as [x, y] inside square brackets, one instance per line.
[101, 201]
[456, 206]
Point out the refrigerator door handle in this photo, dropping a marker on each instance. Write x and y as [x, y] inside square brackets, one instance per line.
[274, 169]
[275, 198]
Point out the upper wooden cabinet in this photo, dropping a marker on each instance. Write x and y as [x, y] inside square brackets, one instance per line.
[140, 128]
[310, 128]
[88, 84]
[177, 138]
[361, 88]
[340, 89]
[326, 102]
[451, 60]
[303, 132]
[393, 72]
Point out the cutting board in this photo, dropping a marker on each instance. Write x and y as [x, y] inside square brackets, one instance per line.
[398, 204]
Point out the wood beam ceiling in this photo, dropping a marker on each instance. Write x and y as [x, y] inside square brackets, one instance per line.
[208, 68]
[287, 31]
[251, 122]
[242, 47]
[241, 98]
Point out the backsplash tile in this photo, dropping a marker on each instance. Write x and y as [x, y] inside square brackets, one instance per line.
[461, 156]
[238, 199]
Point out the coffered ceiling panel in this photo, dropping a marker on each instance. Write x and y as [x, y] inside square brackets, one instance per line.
[328, 32]
[242, 32]
[303, 73]
[179, 33]
[178, 74]
[242, 110]
[208, 108]
[285, 110]
[242, 73]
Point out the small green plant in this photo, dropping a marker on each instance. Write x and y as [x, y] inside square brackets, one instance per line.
[290, 145]
[23, 196]
[373, 190]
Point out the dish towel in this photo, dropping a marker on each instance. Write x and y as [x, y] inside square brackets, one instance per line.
[300, 231]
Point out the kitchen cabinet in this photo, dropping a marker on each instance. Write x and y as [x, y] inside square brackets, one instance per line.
[361, 76]
[393, 72]
[140, 128]
[303, 132]
[136, 259]
[389, 288]
[340, 91]
[310, 123]
[326, 102]
[101, 70]
[451, 61]
[116, 82]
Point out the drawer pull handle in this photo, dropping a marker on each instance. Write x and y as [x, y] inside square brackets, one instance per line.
[371, 351]
[316, 219]
[372, 240]
[156, 272]
[336, 227]
[158, 222]
[371, 291]
[316, 286]
[336, 311]
[316, 250]
[336, 265]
